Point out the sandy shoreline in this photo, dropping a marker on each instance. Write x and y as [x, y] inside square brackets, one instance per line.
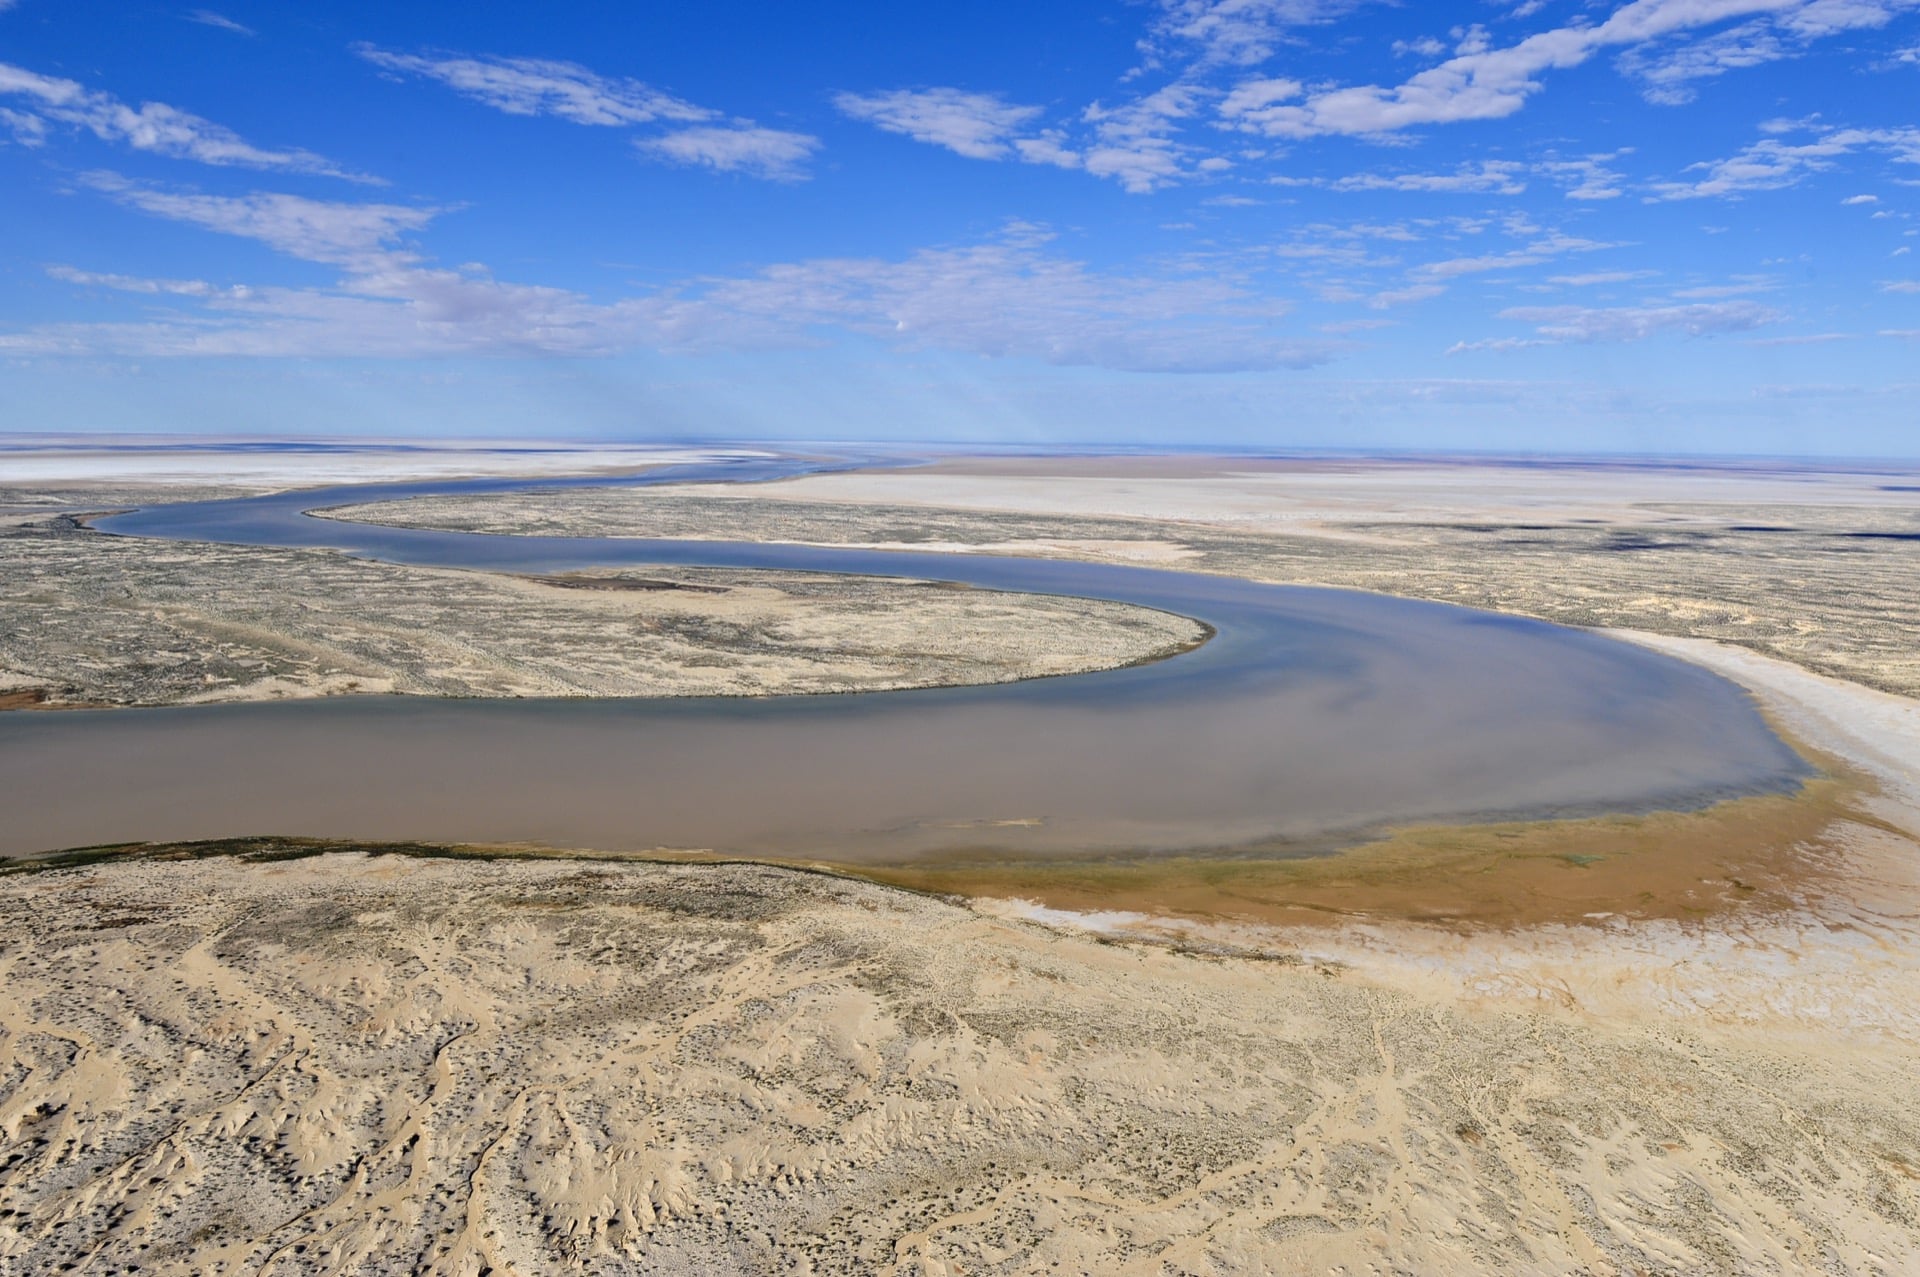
[1835, 962]
[1875, 731]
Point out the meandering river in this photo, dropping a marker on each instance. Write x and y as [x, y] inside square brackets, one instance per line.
[1312, 715]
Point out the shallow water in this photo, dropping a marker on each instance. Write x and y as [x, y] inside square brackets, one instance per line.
[1313, 714]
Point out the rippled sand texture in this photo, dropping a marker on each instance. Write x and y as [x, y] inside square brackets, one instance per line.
[92, 619]
[394, 1065]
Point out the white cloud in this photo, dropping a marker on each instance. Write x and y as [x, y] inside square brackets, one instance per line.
[1544, 249]
[1739, 287]
[1010, 297]
[1141, 142]
[1901, 286]
[153, 127]
[1494, 344]
[1484, 83]
[1773, 163]
[538, 86]
[1634, 323]
[208, 18]
[28, 130]
[1861, 199]
[136, 284]
[1667, 72]
[1405, 296]
[1601, 277]
[1250, 99]
[761, 152]
[339, 233]
[1048, 147]
[1588, 178]
[569, 91]
[1133, 143]
[980, 126]
[1669, 69]
[1803, 339]
[1238, 32]
[1500, 177]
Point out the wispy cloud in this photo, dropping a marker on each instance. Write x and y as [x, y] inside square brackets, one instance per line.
[1496, 177]
[1775, 162]
[703, 138]
[1669, 69]
[357, 235]
[137, 284]
[208, 18]
[1544, 249]
[153, 127]
[1147, 143]
[980, 126]
[1486, 83]
[1587, 178]
[759, 152]
[1803, 339]
[1601, 277]
[1236, 32]
[1131, 143]
[539, 86]
[1012, 297]
[1628, 323]
[1009, 297]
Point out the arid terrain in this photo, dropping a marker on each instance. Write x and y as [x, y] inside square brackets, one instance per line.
[353, 1063]
[1815, 567]
[1668, 1046]
[91, 619]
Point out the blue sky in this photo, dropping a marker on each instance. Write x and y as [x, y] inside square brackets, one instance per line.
[1665, 225]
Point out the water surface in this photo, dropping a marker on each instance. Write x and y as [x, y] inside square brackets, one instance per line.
[1313, 714]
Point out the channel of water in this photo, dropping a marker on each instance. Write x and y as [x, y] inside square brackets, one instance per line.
[1312, 716]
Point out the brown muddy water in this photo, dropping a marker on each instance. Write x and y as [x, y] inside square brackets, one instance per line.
[1313, 716]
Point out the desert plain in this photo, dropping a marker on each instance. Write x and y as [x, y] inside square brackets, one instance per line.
[1685, 1043]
